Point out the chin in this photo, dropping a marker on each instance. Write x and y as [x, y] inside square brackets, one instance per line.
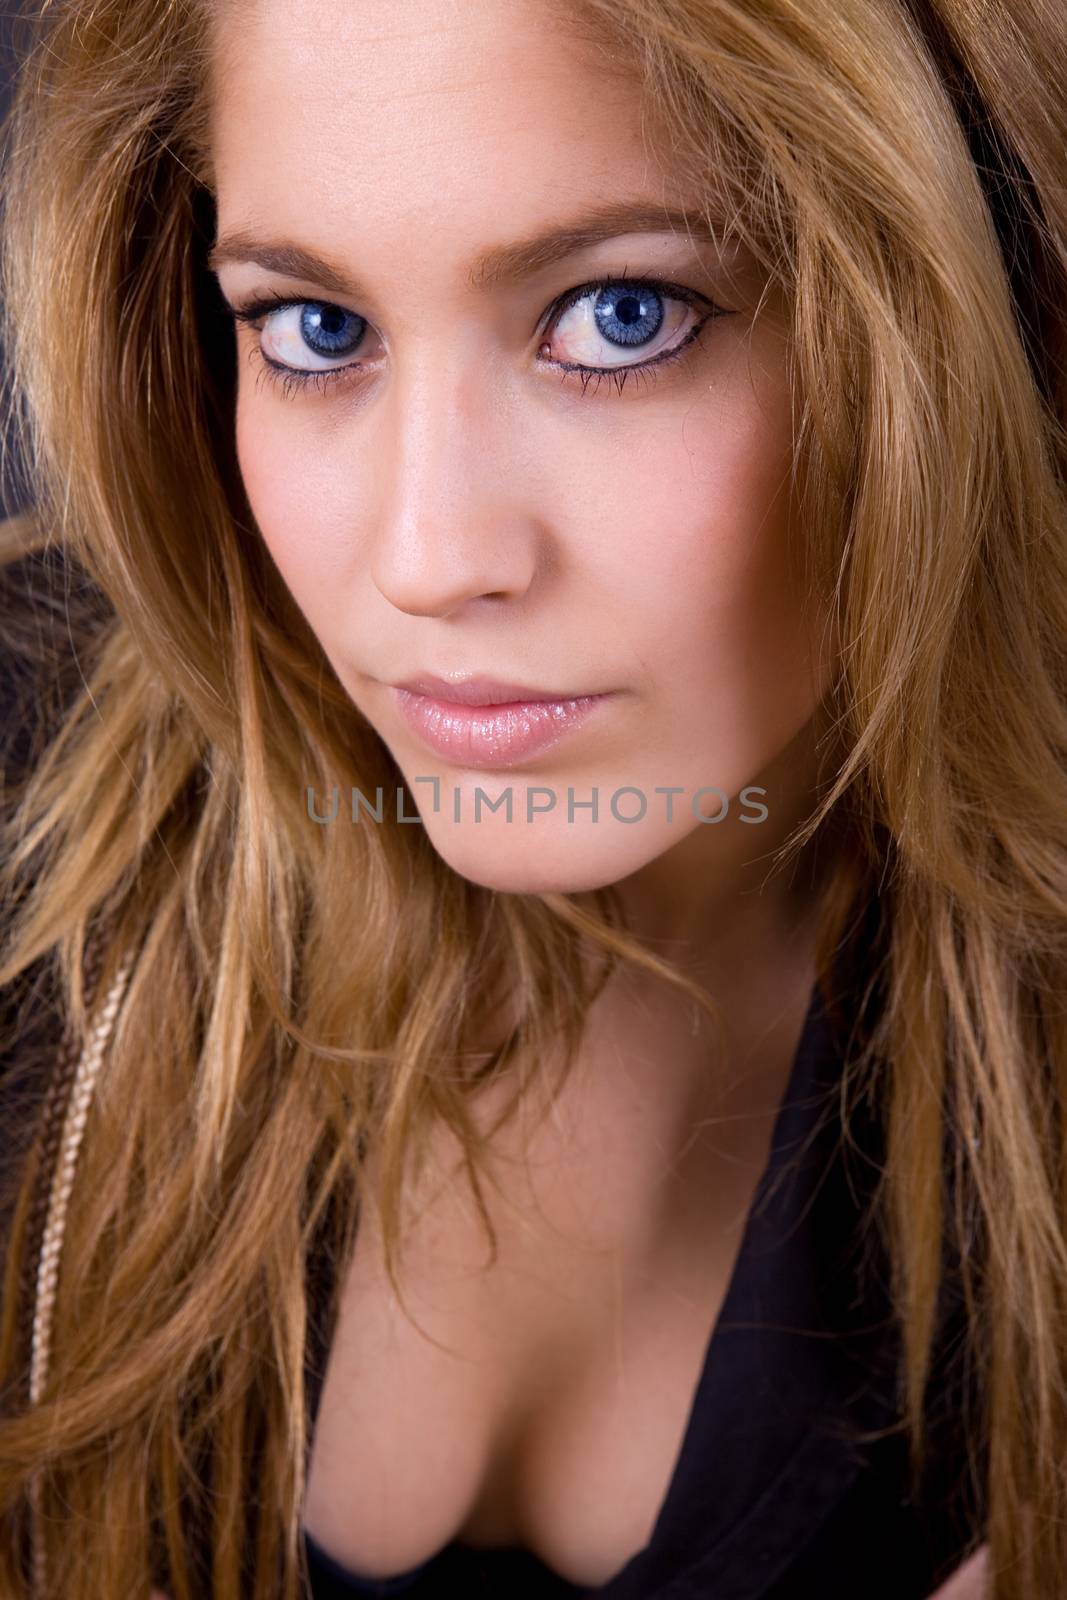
[519, 860]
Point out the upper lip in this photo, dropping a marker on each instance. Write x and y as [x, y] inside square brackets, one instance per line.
[480, 691]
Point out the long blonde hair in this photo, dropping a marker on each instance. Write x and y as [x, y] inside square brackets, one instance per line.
[898, 166]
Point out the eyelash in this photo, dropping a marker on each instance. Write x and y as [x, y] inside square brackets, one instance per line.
[290, 379]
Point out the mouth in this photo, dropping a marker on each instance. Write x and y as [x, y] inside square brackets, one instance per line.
[514, 726]
[475, 691]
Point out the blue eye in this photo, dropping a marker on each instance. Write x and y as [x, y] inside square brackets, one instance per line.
[614, 316]
[626, 315]
[325, 325]
[619, 315]
[303, 329]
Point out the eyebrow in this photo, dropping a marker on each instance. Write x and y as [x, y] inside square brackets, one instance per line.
[502, 264]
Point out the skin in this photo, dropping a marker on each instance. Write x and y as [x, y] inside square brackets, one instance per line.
[460, 506]
[640, 542]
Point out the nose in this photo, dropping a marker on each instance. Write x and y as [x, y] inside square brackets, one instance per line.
[451, 525]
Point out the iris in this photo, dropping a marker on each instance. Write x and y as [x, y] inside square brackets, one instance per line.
[636, 314]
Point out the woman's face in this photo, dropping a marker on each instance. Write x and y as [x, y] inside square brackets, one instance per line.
[442, 497]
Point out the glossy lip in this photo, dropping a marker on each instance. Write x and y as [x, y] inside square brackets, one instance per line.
[500, 733]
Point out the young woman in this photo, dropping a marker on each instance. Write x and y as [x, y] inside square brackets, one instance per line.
[535, 858]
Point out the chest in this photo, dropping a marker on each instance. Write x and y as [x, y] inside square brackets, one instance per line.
[540, 1400]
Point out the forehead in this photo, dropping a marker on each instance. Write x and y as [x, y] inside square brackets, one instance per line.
[430, 115]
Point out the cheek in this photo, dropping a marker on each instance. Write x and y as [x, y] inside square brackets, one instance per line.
[700, 539]
[707, 573]
[305, 511]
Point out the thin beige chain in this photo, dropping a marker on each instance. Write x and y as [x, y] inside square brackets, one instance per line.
[85, 1077]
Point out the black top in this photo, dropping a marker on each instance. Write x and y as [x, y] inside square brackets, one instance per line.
[774, 1496]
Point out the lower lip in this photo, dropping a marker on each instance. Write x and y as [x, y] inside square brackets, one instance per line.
[493, 736]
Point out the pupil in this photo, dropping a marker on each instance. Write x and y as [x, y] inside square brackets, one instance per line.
[628, 308]
[331, 319]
